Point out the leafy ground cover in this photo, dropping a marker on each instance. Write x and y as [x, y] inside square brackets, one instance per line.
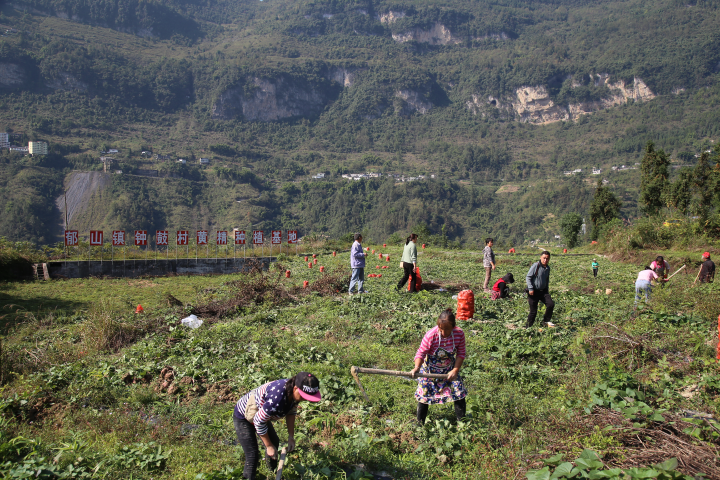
[92, 390]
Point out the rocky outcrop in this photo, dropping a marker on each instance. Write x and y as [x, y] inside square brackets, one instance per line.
[392, 17]
[493, 36]
[534, 105]
[268, 100]
[343, 76]
[11, 75]
[439, 34]
[67, 82]
[411, 102]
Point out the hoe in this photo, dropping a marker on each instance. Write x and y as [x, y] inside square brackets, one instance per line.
[395, 373]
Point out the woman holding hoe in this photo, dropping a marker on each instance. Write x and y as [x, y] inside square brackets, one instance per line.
[442, 351]
[255, 411]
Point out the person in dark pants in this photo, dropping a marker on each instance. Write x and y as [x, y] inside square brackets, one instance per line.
[538, 283]
[707, 269]
[255, 411]
[409, 262]
[441, 351]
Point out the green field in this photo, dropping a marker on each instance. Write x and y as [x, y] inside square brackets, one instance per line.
[82, 394]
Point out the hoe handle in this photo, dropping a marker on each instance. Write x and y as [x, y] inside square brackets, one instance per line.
[281, 464]
[397, 373]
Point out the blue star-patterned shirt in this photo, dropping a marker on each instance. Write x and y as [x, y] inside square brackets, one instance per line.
[272, 402]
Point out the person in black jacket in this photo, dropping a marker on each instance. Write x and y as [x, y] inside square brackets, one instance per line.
[707, 269]
[501, 289]
[538, 283]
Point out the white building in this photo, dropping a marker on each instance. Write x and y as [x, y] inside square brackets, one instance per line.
[18, 149]
[318, 176]
[204, 161]
[4, 141]
[182, 160]
[113, 150]
[596, 171]
[37, 148]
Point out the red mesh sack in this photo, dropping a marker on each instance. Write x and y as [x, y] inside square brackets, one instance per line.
[418, 280]
[465, 305]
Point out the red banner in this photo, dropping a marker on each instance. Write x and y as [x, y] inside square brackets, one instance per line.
[161, 237]
[258, 238]
[71, 238]
[221, 238]
[276, 237]
[202, 237]
[118, 238]
[140, 237]
[182, 237]
[96, 237]
[239, 237]
[292, 236]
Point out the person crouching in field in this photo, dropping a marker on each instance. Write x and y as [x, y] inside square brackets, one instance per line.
[442, 351]
[661, 267]
[501, 289]
[255, 411]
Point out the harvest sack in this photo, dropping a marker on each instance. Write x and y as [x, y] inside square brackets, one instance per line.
[418, 280]
[466, 305]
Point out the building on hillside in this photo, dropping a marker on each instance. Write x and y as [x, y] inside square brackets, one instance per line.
[162, 158]
[18, 149]
[204, 161]
[319, 176]
[113, 150]
[37, 148]
[596, 171]
[182, 160]
[4, 140]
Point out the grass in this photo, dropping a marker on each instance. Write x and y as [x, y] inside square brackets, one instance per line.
[87, 368]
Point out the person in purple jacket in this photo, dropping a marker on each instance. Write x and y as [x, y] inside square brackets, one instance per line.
[256, 410]
[357, 263]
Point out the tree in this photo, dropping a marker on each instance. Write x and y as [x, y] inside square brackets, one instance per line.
[571, 224]
[653, 179]
[703, 182]
[680, 192]
[605, 207]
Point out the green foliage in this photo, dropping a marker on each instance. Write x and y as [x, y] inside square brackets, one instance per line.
[570, 225]
[604, 209]
[654, 179]
[589, 465]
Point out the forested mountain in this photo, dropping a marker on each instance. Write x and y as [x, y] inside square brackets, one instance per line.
[496, 100]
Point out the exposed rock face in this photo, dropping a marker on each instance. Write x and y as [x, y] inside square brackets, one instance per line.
[439, 34]
[67, 82]
[493, 36]
[533, 104]
[412, 102]
[342, 76]
[392, 17]
[271, 99]
[11, 75]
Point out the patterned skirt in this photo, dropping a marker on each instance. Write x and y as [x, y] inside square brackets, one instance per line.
[432, 391]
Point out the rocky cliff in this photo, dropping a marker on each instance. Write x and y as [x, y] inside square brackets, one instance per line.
[439, 34]
[410, 101]
[11, 75]
[534, 105]
[265, 100]
[67, 82]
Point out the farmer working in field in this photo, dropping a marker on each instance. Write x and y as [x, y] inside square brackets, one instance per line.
[643, 283]
[661, 268]
[707, 269]
[595, 266]
[409, 263]
[501, 289]
[442, 351]
[271, 401]
[538, 284]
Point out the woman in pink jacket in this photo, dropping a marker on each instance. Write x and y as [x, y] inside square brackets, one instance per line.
[642, 284]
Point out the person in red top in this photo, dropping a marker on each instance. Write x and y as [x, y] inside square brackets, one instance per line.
[501, 289]
[442, 351]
